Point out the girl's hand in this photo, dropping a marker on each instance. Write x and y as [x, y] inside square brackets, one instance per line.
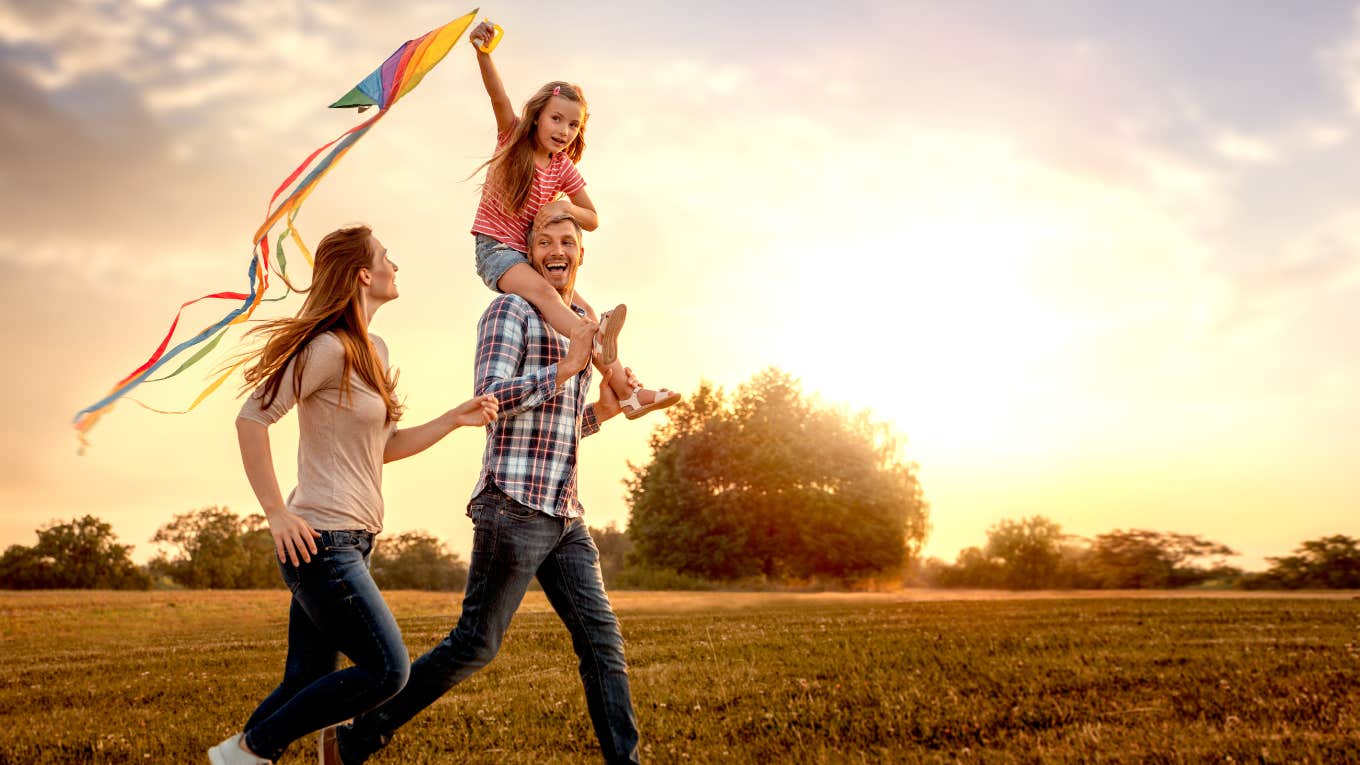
[481, 34]
[294, 538]
[476, 412]
[555, 207]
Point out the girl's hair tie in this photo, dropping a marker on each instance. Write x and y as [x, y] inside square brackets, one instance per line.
[557, 91]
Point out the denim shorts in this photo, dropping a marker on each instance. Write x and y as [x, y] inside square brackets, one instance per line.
[494, 258]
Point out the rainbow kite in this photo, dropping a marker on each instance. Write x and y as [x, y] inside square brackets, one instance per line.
[397, 76]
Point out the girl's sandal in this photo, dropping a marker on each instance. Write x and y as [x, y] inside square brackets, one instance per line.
[633, 409]
[607, 339]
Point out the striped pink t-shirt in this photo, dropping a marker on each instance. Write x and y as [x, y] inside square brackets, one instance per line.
[560, 175]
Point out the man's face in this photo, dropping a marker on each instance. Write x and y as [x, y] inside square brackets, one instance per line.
[555, 252]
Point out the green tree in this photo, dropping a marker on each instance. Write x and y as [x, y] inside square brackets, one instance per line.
[770, 484]
[972, 568]
[1028, 552]
[417, 560]
[614, 546]
[1325, 563]
[213, 548]
[1140, 559]
[80, 554]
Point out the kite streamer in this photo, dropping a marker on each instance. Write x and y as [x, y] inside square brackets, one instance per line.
[396, 77]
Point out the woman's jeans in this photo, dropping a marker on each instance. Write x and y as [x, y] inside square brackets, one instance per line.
[336, 609]
[511, 544]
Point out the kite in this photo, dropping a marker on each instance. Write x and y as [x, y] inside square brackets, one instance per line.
[396, 77]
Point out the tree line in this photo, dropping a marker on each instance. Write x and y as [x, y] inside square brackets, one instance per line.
[763, 487]
[1034, 553]
[210, 548]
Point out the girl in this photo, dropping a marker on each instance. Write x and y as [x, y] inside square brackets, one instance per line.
[325, 361]
[534, 162]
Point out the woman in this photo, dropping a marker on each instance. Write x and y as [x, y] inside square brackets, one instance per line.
[325, 361]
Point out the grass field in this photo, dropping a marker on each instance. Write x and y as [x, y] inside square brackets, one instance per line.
[744, 678]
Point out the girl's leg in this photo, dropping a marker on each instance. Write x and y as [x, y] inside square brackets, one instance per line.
[647, 399]
[338, 595]
[521, 279]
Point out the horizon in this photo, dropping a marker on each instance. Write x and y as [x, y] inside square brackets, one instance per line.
[1092, 262]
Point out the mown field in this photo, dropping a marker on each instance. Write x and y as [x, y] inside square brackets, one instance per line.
[744, 678]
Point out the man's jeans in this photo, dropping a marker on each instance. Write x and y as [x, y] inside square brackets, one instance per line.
[336, 609]
[511, 544]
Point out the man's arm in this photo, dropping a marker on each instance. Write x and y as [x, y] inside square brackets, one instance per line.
[501, 337]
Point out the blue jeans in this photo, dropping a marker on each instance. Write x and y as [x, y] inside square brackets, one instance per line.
[336, 609]
[512, 544]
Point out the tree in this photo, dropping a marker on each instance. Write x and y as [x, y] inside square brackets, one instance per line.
[1029, 552]
[81, 554]
[416, 560]
[214, 548]
[614, 546]
[1139, 559]
[972, 568]
[1324, 563]
[769, 484]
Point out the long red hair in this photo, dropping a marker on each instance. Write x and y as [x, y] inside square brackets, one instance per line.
[334, 304]
[510, 171]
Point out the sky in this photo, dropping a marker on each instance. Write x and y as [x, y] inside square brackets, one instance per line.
[1097, 261]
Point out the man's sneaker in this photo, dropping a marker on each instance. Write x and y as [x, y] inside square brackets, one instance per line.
[229, 752]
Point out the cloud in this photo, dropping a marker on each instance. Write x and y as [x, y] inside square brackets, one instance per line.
[1251, 149]
[1342, 62]
[1313, 265]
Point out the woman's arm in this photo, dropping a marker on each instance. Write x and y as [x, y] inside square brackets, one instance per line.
[294, 538]
[474, 412]
[491, 79]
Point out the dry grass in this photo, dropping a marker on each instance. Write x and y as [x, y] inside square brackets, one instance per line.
[917, 676]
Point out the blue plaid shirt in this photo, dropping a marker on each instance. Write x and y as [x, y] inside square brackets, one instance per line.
[531, 446]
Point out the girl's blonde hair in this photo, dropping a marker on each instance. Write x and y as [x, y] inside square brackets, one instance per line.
[510, 171]
[333, 304]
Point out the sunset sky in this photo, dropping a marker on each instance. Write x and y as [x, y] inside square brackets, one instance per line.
[1098, 261]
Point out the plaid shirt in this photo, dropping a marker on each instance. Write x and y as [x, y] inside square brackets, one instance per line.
[531, 446]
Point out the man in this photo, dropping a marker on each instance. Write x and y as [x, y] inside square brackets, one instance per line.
[526, 516]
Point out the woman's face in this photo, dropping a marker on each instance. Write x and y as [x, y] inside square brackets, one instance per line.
[382, 283]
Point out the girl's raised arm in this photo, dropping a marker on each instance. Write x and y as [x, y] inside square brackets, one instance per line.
[500, 101]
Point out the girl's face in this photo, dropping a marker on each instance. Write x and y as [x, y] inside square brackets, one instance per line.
[558, 124]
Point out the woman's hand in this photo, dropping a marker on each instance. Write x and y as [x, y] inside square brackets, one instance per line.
[294, 538]
[476, 411]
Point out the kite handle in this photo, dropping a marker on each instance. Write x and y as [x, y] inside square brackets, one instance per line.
[495, 40]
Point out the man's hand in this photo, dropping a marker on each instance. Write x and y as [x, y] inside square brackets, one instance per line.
[608, 405]
[578, 352]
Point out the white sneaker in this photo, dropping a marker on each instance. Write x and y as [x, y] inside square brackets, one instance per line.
[229, 752]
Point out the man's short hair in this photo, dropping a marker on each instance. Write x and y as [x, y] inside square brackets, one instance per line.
[558, 218]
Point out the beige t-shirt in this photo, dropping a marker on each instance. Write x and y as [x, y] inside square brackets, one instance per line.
[340, 450]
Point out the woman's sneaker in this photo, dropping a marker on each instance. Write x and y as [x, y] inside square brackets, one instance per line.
[229, 752]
